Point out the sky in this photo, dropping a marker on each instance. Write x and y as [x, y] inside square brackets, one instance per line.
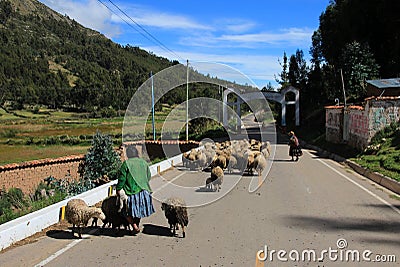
[250, 36]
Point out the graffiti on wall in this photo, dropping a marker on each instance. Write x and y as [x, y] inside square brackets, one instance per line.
[333, 119]
[384, 113]
[363, 123]
[358, 124]
[379, 119]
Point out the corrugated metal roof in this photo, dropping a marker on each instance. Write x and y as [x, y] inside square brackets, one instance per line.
[385, 83]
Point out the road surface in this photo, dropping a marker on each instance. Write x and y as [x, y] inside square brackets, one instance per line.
[315, 205]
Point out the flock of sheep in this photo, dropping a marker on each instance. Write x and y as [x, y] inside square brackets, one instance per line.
[242, 155]
[78, 213]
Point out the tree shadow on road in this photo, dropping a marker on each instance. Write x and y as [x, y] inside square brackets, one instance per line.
[343, 224]
[382, 241]
[380, 206]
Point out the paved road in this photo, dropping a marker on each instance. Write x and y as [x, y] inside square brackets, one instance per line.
[302, 206]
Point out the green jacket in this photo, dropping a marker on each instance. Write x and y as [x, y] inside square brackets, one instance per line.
[134, 176]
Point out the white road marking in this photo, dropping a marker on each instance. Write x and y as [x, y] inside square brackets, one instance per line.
[61, 251]
[168, 182]
[362, 187]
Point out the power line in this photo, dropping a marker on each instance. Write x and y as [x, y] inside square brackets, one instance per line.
[146, 33]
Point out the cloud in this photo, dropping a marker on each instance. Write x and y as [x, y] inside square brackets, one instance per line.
[259, 68]
[154, 18]
[290, 36]
[99, 17]
[235, 25]
[287, 37]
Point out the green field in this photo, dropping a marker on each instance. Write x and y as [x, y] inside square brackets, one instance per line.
[25, 135]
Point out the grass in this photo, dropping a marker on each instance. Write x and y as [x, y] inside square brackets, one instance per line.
[383, 154]
[27, 134]
[21, 153]
[10, 214]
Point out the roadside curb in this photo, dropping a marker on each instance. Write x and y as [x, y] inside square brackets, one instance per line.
[378, 178]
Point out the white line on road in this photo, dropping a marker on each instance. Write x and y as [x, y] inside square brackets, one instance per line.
[61, 251]
[362, 187]
[168, 182]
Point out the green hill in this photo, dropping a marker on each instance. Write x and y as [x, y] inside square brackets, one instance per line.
[47, 58]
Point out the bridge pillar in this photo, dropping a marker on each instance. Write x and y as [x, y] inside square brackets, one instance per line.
[283, 120]
[225, 108]
[297, 107]
[239, 114]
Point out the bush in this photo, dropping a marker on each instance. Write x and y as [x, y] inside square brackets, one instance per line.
[108, 112]
[5, 205]
[16, 198]
[14, 203]
[8, 133]
[101, 159]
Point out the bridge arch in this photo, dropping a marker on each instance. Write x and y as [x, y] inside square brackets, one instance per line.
[285, 97]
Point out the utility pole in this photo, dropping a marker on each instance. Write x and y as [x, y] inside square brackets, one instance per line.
[344, 92]
[345, 115]
[152, 106]
[187, 100]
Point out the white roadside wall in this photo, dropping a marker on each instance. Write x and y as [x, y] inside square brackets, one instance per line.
[34, 222]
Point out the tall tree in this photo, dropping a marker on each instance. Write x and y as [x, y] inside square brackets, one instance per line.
[283, 78]
[375, 23]
[298, 70]
[358, 65]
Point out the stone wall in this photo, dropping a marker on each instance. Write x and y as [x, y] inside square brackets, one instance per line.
[28, 175]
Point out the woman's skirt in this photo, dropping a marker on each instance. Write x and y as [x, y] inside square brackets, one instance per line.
[295, 151]
[140, 204]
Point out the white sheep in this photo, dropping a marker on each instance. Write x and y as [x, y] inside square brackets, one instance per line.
[232, 163]
[260, 163]
[79, 213]
[176, 213]
[216, 179]
[192, 159]
[266, 145]
[219, 161]
[185, 159]
[202, 160]
[265, 152]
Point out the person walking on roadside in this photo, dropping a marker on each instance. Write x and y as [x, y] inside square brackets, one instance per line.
[134, 179]
[294, 146]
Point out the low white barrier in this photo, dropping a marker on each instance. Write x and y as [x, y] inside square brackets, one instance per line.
[34, 222]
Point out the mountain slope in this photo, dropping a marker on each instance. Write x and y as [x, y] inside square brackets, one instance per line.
[47, 58]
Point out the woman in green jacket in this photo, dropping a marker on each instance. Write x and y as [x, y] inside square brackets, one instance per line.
[134, 179]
